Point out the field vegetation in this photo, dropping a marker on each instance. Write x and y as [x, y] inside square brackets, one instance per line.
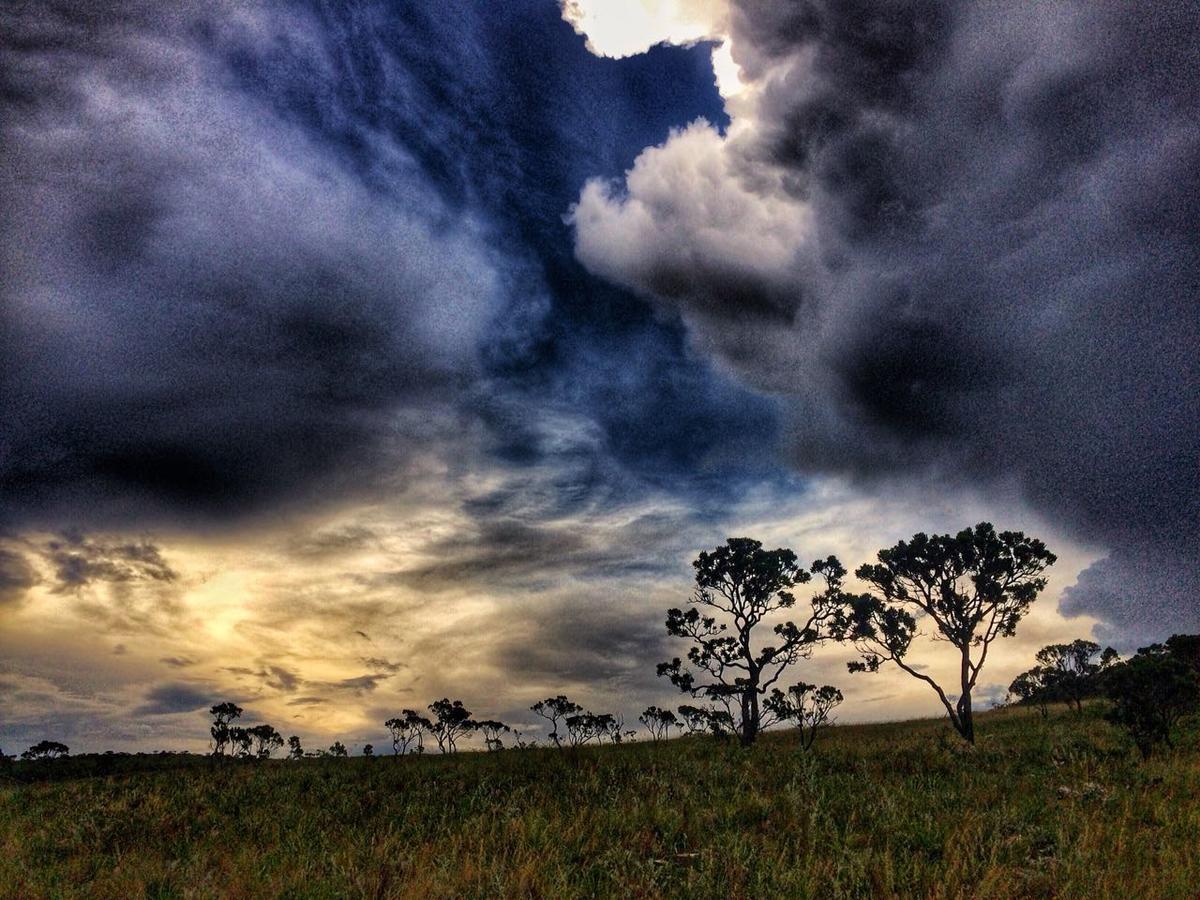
[1056, 805]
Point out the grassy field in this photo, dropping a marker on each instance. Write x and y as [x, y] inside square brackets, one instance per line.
[1059, 807]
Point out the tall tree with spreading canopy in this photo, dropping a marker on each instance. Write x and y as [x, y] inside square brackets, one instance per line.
[742, 585]
[974, 587]
[451, 720]
[408, 730]
[266, 740]
[223, 714]
[1070, 671]
[555, 710]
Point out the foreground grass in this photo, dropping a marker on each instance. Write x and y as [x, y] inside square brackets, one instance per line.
[1039, 808]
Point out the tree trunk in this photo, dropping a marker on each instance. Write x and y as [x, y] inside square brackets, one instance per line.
[749, 716]
[965, 724]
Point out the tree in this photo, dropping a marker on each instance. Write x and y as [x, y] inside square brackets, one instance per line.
[805, 705]
[491, 733]
[295, 751]
[974, 587]
[658, 722]
[266, 740]
[369, 751]
[240, 741]
[223, 714]
[611, 727]
[583, 727]
[407, 732]
[745, 585]
[1071, 671]
[554, 710]
[1030, 687]
[1184, 647]
[338, 749]
[706, 720]
[451, 721]
[1151, 693]
[46, 750]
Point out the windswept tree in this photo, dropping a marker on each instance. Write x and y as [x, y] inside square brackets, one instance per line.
[408, 730]
[555, 710]
[491, 733]
[266, 740]
[806, 706]
[706, 720]
[974, 587]
[295, 751]
[1071, 671]
[46, 750]
[658, 722]
[739, 586]
[1151, 693]
[451, 720]
[223, 714]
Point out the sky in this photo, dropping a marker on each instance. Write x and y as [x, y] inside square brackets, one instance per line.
[353, 355]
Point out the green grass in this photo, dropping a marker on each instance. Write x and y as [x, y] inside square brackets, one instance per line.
[1060, 807]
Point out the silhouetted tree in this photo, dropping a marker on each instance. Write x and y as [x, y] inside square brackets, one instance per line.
[451, 721]
[266, 740]
[223, 714]
[611, 726]
[974, 587]
[491, 733]
[407, 732]
[1071, 671]
[555, 710]
[745, 584]
[1184, 647]
[338, 749]
[702, 720]
[586, 726]
[1031, 687]
[368, 750]
[658, 722]
[46, 750]
[1151, 692]
[806, 706]
[240, 741]
[295, 751]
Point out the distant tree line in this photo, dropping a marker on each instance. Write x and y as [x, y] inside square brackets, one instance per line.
[743, 634]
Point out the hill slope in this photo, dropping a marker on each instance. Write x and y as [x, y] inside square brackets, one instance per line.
[1039, 807]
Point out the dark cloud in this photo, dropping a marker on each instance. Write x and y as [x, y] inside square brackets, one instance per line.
[360, 684]
[17, 576]
[511, 553]
[177, 662]
[378, 663]
[174, 697]
[307, 701]
[957, 238]
[79, 561]
[203, 308]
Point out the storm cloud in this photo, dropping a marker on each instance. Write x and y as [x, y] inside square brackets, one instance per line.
[203, 308]
[959, 240]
